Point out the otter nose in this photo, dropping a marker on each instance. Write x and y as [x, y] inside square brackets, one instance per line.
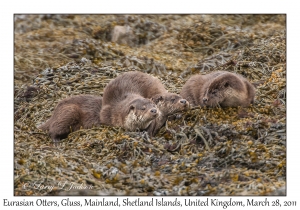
[153, 111]
[183, 101]
[205, 99]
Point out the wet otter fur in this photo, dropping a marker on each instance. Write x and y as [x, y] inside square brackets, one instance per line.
[145, 86]
[71, 114]
[219, 88]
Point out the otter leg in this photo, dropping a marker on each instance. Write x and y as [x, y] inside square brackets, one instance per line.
[156, 125]
[151, 130]
[66, 120]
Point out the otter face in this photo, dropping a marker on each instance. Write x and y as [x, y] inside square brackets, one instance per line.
[216, 94]
[141, 112]
[170, 103]
[224, 94]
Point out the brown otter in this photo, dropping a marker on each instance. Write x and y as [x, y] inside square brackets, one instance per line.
[130, 111]
[221, 88]
[145, 86]
[71, 114]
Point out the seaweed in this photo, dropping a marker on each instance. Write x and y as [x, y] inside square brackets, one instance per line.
[204, 151]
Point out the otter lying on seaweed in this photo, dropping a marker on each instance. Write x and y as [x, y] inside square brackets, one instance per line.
[133, 100]
[218, 88]
[73, 113]
[140, 85]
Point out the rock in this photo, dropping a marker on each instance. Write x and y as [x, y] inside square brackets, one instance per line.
[123, 35]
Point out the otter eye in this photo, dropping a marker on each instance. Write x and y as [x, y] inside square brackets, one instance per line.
[214, 92]
[226, 84]
[131, 107]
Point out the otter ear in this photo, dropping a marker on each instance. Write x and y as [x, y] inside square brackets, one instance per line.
[157, 99]
[131, 108]
[226, 84]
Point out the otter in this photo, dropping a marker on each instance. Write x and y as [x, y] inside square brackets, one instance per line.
[130, 111]
[71, 114]
[145, 86]
[219, 88]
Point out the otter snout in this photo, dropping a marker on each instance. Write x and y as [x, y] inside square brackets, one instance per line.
[183, 101]
[153, 111]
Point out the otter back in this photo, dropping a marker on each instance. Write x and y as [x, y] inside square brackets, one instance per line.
[71, 114]
[135, 82]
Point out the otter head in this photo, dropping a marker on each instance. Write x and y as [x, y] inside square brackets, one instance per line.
[170, 103]
[140, 113]
[215, 95]
[222, 91]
